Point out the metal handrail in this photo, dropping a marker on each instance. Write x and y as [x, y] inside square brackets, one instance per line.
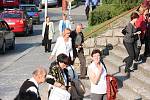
[110, 21]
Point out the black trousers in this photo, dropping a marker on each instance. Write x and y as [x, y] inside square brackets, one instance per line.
[133, 53]
[147, 46]
[87, 10]
[48, 45]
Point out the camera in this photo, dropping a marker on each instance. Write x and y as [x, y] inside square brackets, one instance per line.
[147, 15]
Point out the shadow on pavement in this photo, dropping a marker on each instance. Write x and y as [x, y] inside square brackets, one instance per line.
[19, 48]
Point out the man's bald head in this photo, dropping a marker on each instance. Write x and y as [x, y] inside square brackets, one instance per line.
[39, 74]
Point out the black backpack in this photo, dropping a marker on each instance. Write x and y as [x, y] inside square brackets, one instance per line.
[124, 31]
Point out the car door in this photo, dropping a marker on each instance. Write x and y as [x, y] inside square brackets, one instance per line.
[1, 35]
[8, 34]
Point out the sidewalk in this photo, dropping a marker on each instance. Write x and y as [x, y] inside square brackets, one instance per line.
[22, 68]
[78, 16]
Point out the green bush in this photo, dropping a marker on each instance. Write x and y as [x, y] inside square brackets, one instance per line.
[75, 2]
[110, 9]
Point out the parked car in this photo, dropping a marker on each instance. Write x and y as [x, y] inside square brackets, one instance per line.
[7, 37]
[49, 3]
[9, 3]
[19, 20]
[32, 11]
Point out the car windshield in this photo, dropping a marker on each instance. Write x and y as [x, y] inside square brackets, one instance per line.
[12, 15]
[29, 8]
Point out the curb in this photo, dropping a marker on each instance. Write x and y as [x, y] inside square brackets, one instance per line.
[18, 56]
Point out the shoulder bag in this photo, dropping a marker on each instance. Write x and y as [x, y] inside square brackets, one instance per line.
[58, 94]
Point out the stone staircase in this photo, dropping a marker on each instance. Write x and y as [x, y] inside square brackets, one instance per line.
[133, 86]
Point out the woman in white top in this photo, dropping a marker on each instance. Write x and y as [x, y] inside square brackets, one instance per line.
[64, 23]
[97, 76]
[47, 33]
[63, 45]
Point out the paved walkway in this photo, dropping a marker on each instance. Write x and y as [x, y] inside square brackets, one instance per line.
[12, 78]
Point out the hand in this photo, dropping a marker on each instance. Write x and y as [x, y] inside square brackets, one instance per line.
[59, 85]
[79, 47]
[139, 32]
[50, 57]
[63, 87]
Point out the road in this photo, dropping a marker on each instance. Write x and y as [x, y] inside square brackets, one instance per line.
[17, 65]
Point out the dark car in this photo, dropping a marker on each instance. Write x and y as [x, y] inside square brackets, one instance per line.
[19, 20]
[7, 37]
[32, 11]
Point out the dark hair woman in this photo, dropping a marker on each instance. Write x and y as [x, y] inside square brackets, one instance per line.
[97, 75]
[58, 73]
[130, 42]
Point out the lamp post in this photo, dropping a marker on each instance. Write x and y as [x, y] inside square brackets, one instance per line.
[45, 9]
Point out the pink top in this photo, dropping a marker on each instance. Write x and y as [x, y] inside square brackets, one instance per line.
[141, 23]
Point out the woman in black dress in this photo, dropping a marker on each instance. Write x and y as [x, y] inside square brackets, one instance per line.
[47, 33]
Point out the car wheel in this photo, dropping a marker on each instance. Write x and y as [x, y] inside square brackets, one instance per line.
[3, 50]
[26, 32]
[13, 45]
[31, 31]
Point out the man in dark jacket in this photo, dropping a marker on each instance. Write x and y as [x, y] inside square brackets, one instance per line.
[29, 89]
[77, 44]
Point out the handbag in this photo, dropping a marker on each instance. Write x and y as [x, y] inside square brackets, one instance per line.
[58, 94]
[43, 42]
[112, 87]
[124, 31]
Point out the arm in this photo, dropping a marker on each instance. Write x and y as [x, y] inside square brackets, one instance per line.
[92, 75]
[43, 29]
[60, 26]
[55, 72]
[53, 28]
[71, 51]
[130, 31]
[55, 48]
[69, 24]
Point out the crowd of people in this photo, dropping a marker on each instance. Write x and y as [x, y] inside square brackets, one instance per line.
[69, 45]
[61, 74]
[137, 33]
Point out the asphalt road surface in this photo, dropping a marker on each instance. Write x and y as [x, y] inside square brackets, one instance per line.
[17, 65]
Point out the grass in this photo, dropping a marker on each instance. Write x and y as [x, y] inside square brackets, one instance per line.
[93, 31]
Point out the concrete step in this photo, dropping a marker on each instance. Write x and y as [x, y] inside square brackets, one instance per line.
[121, 52]
[137, 75]
[123, 92]
[137, 78]
[126, 82]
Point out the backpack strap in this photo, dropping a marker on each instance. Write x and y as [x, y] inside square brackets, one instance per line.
[101, 60]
